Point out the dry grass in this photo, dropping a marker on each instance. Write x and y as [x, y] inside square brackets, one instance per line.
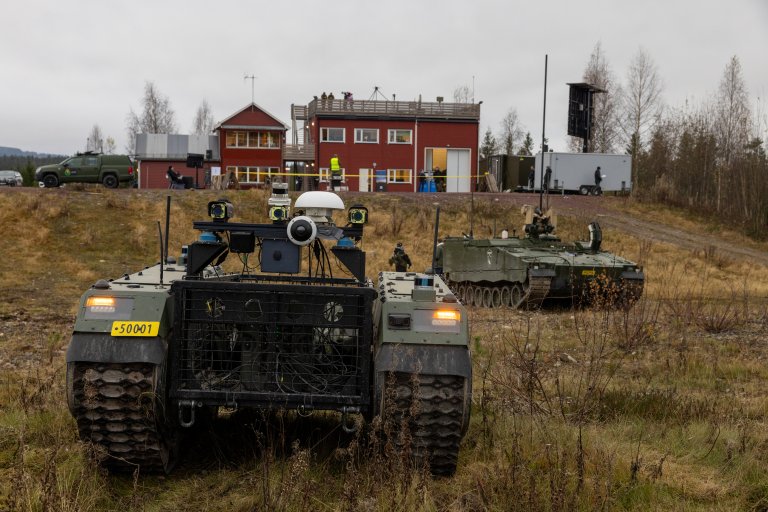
[661, 407]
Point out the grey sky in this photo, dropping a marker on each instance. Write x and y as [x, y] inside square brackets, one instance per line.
[68, 65]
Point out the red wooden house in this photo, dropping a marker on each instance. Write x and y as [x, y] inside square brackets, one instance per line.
[251, 145]
[383, 145]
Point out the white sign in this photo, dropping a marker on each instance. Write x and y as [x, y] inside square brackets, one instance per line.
[215, 171]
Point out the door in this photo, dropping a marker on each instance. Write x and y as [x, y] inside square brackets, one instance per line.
[459, 170]
[364, 181]
[90, 169]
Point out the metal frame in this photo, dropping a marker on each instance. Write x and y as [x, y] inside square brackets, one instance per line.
[270, 345]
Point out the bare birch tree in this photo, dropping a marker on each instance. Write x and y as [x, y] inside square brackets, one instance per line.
[512, 133]
[157, 116]
[732, 112]
[641, 104]
[203, 122]
[110, 146]
[732, 121]
[605, 120]
[95, 140]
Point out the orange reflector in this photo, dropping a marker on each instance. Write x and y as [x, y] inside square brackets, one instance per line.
[447, 314]
[96, 301]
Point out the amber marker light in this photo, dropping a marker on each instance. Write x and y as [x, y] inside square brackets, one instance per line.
[100, 304]
[447, 314]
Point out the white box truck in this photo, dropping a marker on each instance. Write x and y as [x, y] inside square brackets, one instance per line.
[575, 172]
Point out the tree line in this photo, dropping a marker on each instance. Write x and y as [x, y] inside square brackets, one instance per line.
[708, 157]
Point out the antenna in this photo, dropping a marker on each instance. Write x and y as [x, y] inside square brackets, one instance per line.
[434, 241]
[543, 137]
[252, 78]
[162, 258]
[377, 92]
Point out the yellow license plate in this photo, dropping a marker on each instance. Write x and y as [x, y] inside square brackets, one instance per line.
[130, 328]
[587, 272]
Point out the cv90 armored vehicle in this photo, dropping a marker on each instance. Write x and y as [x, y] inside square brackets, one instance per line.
[153, 351]
[519, 271]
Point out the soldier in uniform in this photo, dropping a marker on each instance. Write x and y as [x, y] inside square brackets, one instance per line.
[400, 259]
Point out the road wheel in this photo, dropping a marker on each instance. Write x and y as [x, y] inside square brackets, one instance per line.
[462, 291]
[478, 296]
[487, 298]
[50, 181]
[110, 181]
[506, 294]
[496, 298]
[584, 190]
[597, 191]
[516, 296]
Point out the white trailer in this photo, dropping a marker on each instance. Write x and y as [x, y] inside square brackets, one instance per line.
[575, 172]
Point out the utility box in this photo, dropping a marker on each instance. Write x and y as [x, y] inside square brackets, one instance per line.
[575, 172]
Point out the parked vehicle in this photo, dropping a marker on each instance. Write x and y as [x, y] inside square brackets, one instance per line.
[88, 167]
[11, 179]
[574, 173]
[516, 272]
[154, 351]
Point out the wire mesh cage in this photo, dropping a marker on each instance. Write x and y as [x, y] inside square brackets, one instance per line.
[273, 344]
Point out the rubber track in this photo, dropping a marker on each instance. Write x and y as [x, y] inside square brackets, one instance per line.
[436, 422]
[114, 410]
[538, 289]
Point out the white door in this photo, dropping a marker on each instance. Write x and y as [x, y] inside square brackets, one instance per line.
[459, 169]
[364, 174]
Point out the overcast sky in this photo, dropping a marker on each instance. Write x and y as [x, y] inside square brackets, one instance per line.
[67, 65]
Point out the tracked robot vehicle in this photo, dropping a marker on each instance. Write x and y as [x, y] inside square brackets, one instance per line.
[153, 351]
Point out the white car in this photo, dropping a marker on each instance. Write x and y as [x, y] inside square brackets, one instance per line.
[11, 178]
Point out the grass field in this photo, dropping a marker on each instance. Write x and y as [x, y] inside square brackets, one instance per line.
[661, 407]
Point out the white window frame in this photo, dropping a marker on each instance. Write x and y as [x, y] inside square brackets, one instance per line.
[261, 172]
[325, 131]
[325, 174]
[359, 136]
[253, 139]
[392, 136]
[391, 173]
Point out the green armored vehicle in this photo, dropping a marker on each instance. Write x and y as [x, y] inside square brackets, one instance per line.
[515, 272]
[154, 351]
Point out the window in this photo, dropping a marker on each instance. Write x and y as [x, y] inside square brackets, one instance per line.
[331, 134]
[252, 174]
[400, 136]
[366, 136]
[243, 139]
[91, 161]
[325, 174]
[399, 176]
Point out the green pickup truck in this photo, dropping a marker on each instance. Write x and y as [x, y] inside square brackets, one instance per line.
[109, 170]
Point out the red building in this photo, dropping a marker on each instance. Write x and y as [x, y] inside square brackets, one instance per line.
[251, 143]
[383, 145]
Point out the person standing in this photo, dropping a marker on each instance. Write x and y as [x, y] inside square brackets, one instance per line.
[547, 178]
[531, 178]
[598, 177]
[335, 173]
[400, 259]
